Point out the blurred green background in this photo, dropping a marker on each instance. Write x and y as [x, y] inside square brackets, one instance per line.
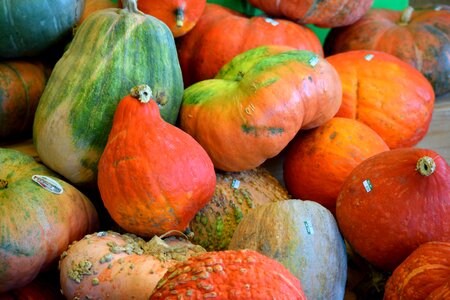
[244, 7]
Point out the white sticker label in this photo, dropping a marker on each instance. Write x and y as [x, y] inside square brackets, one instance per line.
[271, 21]
[308, 227]
[235, 184]
[313, 61]
[367, 185]
[369, 57]
[48, 184]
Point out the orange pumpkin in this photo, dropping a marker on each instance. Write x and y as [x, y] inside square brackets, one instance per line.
[420, 37]
[319, 160]
[257, 103]
[152, 176]
[385, 93]
[424, 274]
[222, 33]
[91, 6]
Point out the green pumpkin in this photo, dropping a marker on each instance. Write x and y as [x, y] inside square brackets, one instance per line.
[112, 51]
[29, 27]
[304, 237]
[36, 224]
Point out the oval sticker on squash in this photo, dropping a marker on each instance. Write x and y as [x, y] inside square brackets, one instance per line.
[48, 183]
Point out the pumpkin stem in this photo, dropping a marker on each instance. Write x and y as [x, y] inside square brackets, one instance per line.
[179, 16]
[3, 184]
[425, 166]
[131, 6]
[174, 231]
[142, 92]
[406, 16]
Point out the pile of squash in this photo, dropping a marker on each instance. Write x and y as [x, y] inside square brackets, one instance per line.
[153, 122]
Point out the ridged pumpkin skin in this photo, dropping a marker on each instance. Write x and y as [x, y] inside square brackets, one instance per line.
[21, 85]
[421, 39]
[112, 51]
[36, 225]
[258, 102]
[221, 34]
[94, 5]
[319, 160]
[236, 194]
[229, 274]
[179, 15]
[323, 13]
[304, 237]
[30, 28]
[109, 265]
[400, 209]
[423, 273]
[153, 177]
[385, 93]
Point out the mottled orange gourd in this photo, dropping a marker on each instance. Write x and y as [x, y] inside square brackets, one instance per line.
[221, 34]
[229, 274]
[385, 93]
[424, 274]
[393, 202]
[152, 176]
[319, 160]
[323, 13]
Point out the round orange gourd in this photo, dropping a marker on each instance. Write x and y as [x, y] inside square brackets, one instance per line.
[393, 202]
[385, 93]
[91, 6]
[424, 274]
[152, 176]
[320, 159]
[258, 102]
[221, 34]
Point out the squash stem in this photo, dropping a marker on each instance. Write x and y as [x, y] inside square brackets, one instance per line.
[179, 16]
[406, 16]
[131, 6]
[3, 184]
[142, 92]
[425, 166]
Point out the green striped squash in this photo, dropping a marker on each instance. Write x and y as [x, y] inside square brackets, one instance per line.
[112, 51]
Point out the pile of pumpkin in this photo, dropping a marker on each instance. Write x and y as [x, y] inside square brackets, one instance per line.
[165, 114]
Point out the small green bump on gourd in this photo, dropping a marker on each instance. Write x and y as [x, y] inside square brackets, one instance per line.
[63, 255]
[95, 281]
[204, 220]
[77, 271]
[219, 227]
[189, 292]
[217, 268]
[238, 215]
[110, 266]
[161, 283]
[3, 184]
[210, 295]
[106, 258]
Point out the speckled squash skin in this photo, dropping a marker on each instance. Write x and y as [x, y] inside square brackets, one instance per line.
[421, 39]
[109, 265]
[221, 34]
[406, 204]
[235, 195]
[304, 237]
[319, 160]
[36, 225]
[385, 93]
[258, 102]
[424, 274]
[323, 13]
[229, 274]
[112, 51]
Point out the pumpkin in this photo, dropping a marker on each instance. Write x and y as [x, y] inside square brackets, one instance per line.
[221, 33]
[39, 289]
[109, 265]
[393, 202]
[426, 271]
[385, 93]
[153, 177]
[420, 37]
[29, 28]
[236, 194]
[230, 274]
[21, 85]
[180, 15]
[258, 102]
[37, 224]
[304, 237]
[324, 13]
[320, 159]
[94, 5]
[112, 51]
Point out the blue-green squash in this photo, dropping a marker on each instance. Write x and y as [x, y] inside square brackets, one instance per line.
[30, 27]
[304, 237]
[112, 51]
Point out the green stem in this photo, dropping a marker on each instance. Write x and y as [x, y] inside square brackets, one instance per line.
[179, 16]
[131, 6]
[425, 166]
[142, 92]
[406, 16]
